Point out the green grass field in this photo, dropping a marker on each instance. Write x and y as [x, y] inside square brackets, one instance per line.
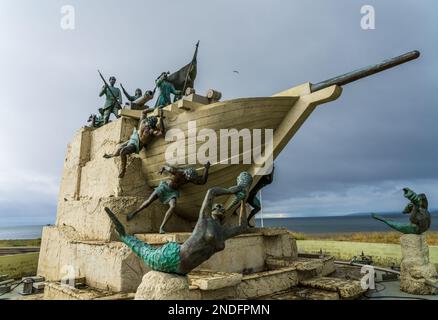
[383, 254]
[19, 265]
[20, 243]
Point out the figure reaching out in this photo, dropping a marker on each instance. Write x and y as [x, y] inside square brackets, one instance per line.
[207, 238]
[139, 139]
[168, 191]
[418, 211]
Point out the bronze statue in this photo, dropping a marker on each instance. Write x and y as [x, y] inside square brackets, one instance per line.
[138, 100]
[207, 238]
[168, 191]
[96, 121]
[253, 200]
[149, 128]
[113, 102]
[166, 88]
[419, 215]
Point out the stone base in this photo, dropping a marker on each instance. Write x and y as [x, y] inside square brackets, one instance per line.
[108, 266]
[58, 291]
[416, 271]
[113, 266]
[163, 286]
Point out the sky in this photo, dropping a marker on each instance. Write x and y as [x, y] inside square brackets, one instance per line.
[351, 155]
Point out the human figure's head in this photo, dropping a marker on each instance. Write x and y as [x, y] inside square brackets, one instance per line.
[416, 199]
[152, 121]
[190, 173]
[163, 76]
[244, 180]
[218, 212]
[150, 94]
[138, 92]
[112, 80]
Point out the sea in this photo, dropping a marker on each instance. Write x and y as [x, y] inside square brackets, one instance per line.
[340, 224]
[312, 225]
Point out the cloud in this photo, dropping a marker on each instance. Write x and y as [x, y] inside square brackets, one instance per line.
[352, 154]
[386, 196]
[21, 186]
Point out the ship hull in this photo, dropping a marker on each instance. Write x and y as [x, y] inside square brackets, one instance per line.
[283, 114]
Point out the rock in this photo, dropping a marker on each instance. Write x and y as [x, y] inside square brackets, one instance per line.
[347, 289]
[163, 286]
[415, 268]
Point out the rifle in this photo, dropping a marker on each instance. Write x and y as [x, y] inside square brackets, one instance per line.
[112, 94]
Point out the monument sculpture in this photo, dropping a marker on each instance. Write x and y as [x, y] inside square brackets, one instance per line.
[138, 100]
[113, 98]
[148, 129]
[167, 192]
[417, 274]
[217, 258]
[418, 211]
[253, 200]
[166, 88]
[207, 238]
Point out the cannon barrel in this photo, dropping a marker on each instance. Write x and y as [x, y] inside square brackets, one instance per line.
[365, 72]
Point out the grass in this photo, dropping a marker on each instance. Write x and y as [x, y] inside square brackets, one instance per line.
[383, 254]
[19, 265]
[20, 243]
[369, 237]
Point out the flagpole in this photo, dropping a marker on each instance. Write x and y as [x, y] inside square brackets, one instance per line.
[190, 68]
[261, 210]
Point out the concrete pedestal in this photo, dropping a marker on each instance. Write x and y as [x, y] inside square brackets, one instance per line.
[417, 273]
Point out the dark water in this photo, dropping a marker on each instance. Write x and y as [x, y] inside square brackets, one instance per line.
[345, 224]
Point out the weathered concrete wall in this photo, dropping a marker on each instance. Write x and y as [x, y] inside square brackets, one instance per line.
[416, 270]
[105, 265]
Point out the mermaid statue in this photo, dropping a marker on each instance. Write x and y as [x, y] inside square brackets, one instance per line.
[207, 238]
[418, 211]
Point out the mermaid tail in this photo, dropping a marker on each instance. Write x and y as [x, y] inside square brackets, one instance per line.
[164, 259]
[406, 228]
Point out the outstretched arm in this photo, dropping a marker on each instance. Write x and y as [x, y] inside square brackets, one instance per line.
[234, 231]
[168, 169]
[212, 193]
[203, 180]
[127, 95]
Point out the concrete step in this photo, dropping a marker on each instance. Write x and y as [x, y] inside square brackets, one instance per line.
[210, 280]
[58, 291]
[347, 289]
[300, 293]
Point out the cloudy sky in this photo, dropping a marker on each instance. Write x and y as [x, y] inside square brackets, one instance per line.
[352, 155]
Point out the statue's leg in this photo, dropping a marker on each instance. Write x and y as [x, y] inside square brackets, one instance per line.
[406, 228]
[129, 149]
[168, 215]
[144, 205]
[106, 115]
[117, 153]
[254, 202]
[116, 112]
